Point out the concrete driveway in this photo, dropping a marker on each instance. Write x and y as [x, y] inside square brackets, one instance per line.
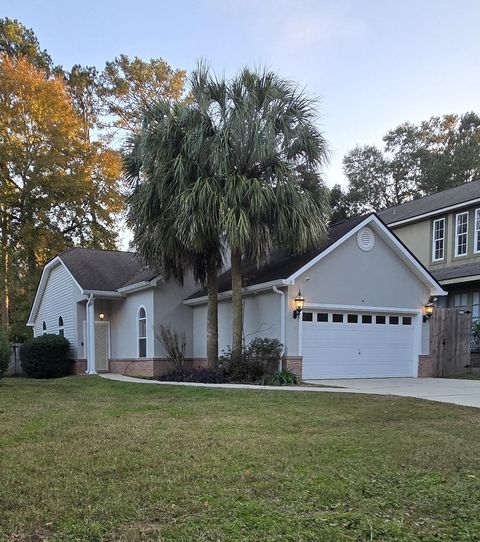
[445, 390]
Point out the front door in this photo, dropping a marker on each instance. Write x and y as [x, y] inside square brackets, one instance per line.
[101, 346]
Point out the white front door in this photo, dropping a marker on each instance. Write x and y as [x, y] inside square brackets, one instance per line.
[102, 344]
[341, 344]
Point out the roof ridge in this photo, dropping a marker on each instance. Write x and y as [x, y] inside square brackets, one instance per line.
[98, 250]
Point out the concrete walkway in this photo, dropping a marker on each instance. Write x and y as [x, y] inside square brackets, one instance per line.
[444, 390]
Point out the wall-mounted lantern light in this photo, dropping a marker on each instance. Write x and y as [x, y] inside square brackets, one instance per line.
[428, 309]
[101, 316]
[299, 303]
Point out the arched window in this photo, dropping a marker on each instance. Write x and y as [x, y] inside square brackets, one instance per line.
[61, 329]
[44, 327]
[142, 332]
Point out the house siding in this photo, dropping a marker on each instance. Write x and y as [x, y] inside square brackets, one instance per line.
[58, 300]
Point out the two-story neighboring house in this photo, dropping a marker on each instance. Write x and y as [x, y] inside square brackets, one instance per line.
[443, 231]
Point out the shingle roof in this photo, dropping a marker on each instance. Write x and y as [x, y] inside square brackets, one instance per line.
[440, 200]
[457, 271]
[105, 270]
[281, 264]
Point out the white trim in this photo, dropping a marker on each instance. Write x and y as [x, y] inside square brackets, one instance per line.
[442, 210]
[52, 264]
[248, 289]
[61, 327]
[138, 332]
[476, 230]
[103, 293]
[362, 308]
[414, 264]
[137, 286]
[460, 280]
[417, 341]
[456, 254]
[283, 333]
[442, 219]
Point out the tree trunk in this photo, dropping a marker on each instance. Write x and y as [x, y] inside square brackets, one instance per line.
[237, 306]
[4, 272]
[212, 314]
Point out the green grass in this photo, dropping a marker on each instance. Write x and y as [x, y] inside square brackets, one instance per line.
[85, 459]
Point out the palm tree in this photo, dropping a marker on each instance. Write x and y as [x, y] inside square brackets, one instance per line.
[263, 188]
[163, 160]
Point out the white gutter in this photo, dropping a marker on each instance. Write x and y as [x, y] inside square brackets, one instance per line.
[90, 336]
[102, 293]
[247, 290]
[282, 323]
[440, 211]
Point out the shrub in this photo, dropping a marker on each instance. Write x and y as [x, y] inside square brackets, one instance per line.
[46, 356]
[174, 345]
[204, 376]
[261, 358]
[4, 353]
[285, 377]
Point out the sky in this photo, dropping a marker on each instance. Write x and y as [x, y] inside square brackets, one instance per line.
[373, 63]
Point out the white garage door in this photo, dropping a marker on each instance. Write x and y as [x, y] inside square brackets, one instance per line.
[357, 345]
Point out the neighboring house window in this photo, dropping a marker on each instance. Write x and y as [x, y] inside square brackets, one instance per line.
[61, 329]
[142, 333]
[477, 231]
[460, 301]
[475, 307]
[44, 328]
[438, 240]
[461, 234]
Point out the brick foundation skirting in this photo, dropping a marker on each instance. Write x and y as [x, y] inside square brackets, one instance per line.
[475, 360]
[426, 368]
[294, 364]
[79, 366]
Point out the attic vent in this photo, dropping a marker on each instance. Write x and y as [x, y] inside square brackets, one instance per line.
[365, 239]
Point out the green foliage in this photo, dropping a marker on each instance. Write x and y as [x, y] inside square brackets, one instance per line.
[260, 358]
[285, 377]
[204, 376]
[476, 335]
[4, 352]
[417, 160]
[46, 356]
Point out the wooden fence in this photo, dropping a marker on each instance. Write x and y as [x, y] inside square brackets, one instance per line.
[14, 367]
[450, 338]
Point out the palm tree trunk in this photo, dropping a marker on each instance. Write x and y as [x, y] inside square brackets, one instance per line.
[212, 314]
[237, 306]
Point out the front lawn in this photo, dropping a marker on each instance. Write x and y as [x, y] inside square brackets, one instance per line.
[86, 459]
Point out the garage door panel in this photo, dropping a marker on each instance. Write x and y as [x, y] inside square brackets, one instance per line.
[343, 350]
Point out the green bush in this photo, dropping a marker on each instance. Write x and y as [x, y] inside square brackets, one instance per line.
[46, 356]
[260, 359]
[285, 377]
[4, 353]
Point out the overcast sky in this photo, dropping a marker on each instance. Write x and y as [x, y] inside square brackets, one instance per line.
[374, 63]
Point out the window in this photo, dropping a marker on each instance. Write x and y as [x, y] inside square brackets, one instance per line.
[307, 316]
[337, 318]
[352, 318]
[460, 301]
[61, 329]
[394, 320]
[461, 234]
[475, 307]
[380, 319]
[367, 319]
[44, 327]
[476, 246]
[407, 321]
[438, 240]
[322, 317]
[142, 333]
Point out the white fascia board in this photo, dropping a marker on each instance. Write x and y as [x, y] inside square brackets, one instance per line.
[433, 213]
[103, 293]
[414, 264]
[55, 262]
[459, 280]
[331, 248]
[137, 286]
[247, 290]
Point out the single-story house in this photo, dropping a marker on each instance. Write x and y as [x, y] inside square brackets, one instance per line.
[363, 313]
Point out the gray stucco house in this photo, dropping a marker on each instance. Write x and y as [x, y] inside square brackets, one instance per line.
[363, 316]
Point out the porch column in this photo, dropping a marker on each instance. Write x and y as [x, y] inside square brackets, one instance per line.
[91, 366]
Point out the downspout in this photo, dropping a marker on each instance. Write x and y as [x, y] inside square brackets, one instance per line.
[282, 323]
[89, 361]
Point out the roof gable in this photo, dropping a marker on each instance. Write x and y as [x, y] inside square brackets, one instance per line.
[282, 268]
